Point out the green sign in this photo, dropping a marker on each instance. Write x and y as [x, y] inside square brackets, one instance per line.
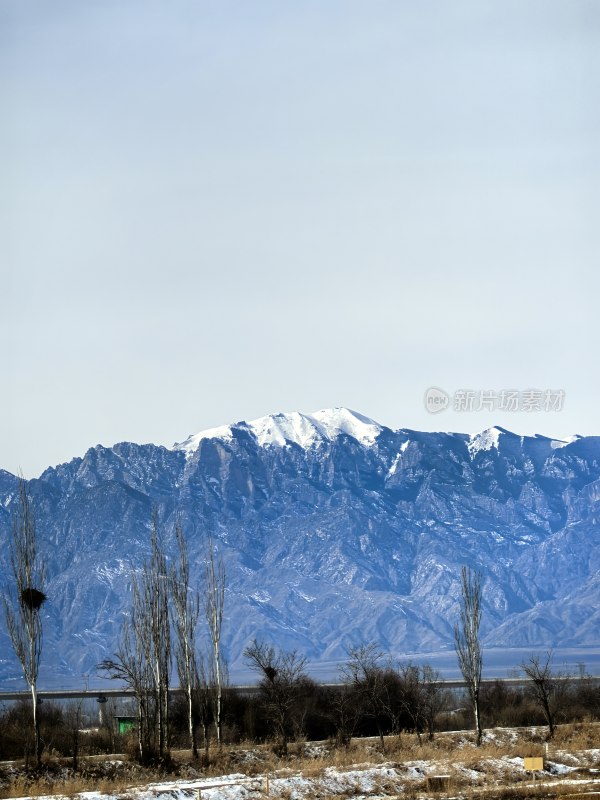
[125, 724]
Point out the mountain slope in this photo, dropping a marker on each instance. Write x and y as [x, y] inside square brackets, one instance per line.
[334, 529]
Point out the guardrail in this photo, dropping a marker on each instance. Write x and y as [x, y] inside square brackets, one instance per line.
[76, 694]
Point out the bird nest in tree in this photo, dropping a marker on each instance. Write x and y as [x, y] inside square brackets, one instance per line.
[32, 598]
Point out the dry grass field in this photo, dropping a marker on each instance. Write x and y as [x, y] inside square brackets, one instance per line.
[449, 767]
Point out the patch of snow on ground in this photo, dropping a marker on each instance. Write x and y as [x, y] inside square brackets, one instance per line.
[500, 736]
[315, 751]
[361, 780]
[472, 775]
[418, 769]
[567, 758]
[558, 769]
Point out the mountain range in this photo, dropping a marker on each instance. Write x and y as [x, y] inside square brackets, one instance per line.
[334, 530]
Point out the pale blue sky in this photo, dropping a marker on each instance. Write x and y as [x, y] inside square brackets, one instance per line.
[211, 211]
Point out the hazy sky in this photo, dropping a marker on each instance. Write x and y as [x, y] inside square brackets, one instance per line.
[211, 211]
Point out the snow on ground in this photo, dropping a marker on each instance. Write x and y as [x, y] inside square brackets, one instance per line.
[500, 736]
[356, 782]
[497, 763]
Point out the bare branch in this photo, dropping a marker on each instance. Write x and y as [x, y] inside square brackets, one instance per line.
[185, 610]
[548, 688]
[22, 608]
[284, 683]
[214, 602]
[466, 640]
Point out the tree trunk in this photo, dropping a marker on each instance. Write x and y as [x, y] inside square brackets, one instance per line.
[192, 728]
[549, 717]
[36, 726]
[218, 709]
[206, 742]
[381, 737]
[75, 749]
[140, 733]
[477, 715]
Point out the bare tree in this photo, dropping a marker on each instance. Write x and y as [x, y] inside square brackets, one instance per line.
[466, 641]
[106, 714]
[73, 719]
[372, 684]
[185, 610]
[284, 683]
[421, 696]
[344, 711]
[143, 660]
[434, 697]
[203, 704]
[213, 608]
[129, 665]
[22, 607]
[151, 612]
[412, 696]
[547, 687]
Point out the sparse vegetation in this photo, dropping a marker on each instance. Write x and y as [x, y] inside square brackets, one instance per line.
[492, 771]
[466, 641]
[364, 737]
[23, 602]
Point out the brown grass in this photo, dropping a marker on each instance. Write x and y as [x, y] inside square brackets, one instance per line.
[60, 782]
[572, 745]
[68, 788]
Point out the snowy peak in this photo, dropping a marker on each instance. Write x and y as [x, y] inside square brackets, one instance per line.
[305, 430]
[335, 421]
[192, 442]
[558, 443]
[309, 430]
[331, 532]
[487, 440]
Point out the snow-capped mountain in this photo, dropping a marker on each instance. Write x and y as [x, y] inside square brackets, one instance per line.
[305, 430]
[334, 529]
